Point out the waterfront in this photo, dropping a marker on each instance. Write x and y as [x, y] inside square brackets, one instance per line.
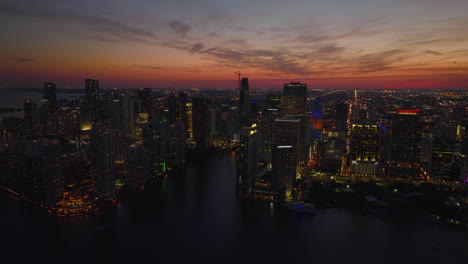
[15, 99]
[197, 217]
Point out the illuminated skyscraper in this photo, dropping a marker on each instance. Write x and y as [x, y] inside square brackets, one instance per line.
[405, 150]
[273, 102]
[92, 90]
[246, 155]
[156, 141]
[294, 99]
[287, 152]
[444, 159]
[267, 132]
[364, 149]
[317, 108]
[50, 94]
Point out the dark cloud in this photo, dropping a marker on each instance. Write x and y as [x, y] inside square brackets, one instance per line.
[432, 52]
[314, 38]
[421, 42]
[179, 27]
[459, 51]
[148, 67]
[197, 47]
[329, 48]
[378, 61]
[278, 60]
[195, 71]
[96, 26]
[317, 33]
[22, 60]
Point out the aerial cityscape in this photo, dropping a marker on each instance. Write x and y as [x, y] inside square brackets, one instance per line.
[194, 134]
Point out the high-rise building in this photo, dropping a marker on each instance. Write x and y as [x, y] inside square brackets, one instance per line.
[53, 177]
[30, 115]
[405, 149]
[287, 153]
[317, 107]
[244, 103]
[247, 157]
[116, 114]
[267, 133]
[45, 118]
[145, 100]
[92, 97]
[128, 115]
[317, 116]
[201, 124]
[273, 101]
[189, 114]
[50, 94]
[136, 165]
[122, 115]
[364, 149]
[156, 141]
[444, 160]
[294, 99]
[102, 153]
[92, 90]
[330, 151]
[341, 116]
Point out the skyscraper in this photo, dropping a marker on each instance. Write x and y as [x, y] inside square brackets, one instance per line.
[294, 99]
[92, 97]
[201, 123]
[364, 149]
[341, 116]
[128, 116]
[287, 152]
[156, 139]
[244, 103]
[405, 150]
[317, 108]
[102, 153]
[246, 155]
[50, 94]
[144, 98]
[30, 115]
[273, 101]
[92, 90]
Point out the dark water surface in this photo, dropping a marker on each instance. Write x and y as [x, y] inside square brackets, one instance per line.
[197, 218]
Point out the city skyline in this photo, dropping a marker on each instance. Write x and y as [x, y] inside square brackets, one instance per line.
[338, 44]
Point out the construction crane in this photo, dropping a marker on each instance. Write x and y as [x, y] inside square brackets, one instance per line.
[238, 73]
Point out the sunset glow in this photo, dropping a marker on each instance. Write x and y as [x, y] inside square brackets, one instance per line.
[333, 44]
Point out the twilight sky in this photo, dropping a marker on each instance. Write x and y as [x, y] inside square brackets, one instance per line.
[202, 43]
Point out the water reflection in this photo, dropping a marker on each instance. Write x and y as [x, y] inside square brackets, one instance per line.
[197, 217]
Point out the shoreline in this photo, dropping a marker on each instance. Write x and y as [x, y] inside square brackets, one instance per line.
[436, 220]
[44, 208]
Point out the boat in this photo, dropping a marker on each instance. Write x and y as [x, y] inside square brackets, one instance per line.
[300, 207]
